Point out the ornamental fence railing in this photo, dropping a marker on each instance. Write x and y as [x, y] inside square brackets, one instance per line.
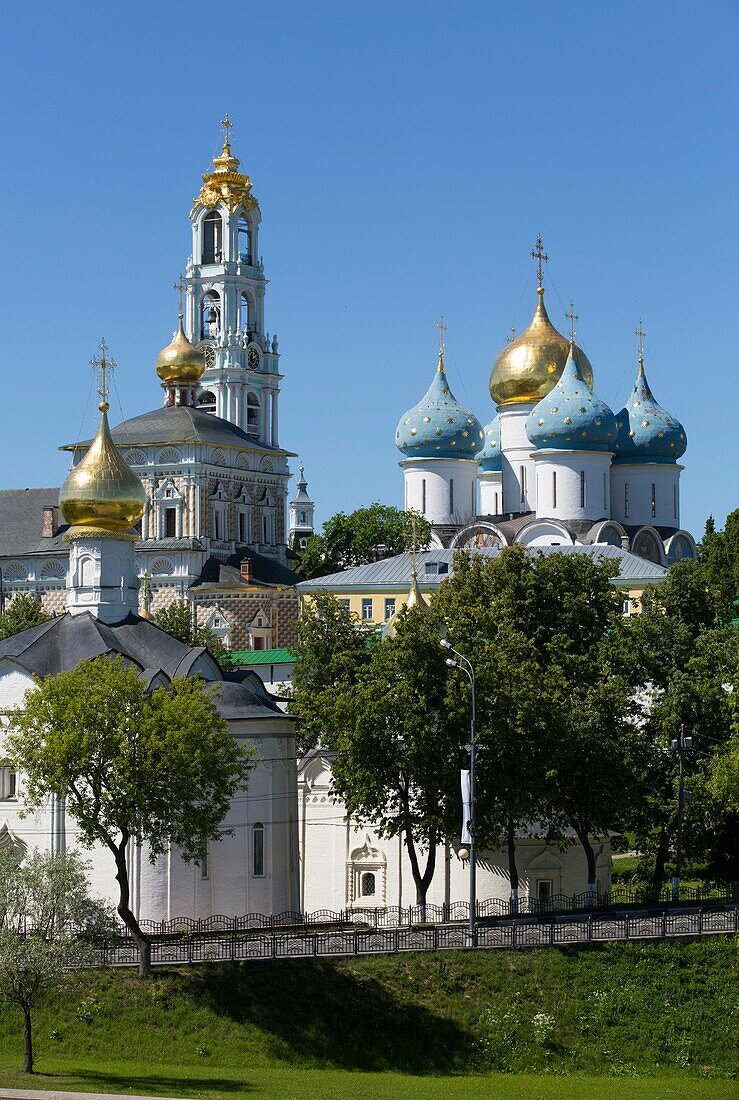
[527, 932]
[397, 916]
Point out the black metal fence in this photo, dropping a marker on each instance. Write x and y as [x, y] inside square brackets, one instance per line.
[246, 944]
[399, 917]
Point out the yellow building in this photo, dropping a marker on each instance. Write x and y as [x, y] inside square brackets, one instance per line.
[375, 592]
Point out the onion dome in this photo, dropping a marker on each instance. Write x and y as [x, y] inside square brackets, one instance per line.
[415, 599]
[438, 426]
[491, 457]
[101, 495]
[571, 417]
[180, 363]
[528, 367]
[645, 431]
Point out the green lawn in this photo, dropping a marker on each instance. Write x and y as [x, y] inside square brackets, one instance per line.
[311, 1084]
[626, 1019]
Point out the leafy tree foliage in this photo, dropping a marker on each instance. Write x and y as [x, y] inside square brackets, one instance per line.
[361, 537]
[23, 611]
[719, 556]
[177, 620]
[330, 651]
[47, 923]
[158, 768]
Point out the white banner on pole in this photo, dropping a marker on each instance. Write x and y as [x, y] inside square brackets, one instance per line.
[466, 837]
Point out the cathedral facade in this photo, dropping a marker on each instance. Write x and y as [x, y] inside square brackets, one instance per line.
[554, 466]
[214, 530]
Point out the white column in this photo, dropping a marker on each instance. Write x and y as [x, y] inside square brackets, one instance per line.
[274, 418]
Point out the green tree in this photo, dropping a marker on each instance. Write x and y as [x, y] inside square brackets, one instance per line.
[719, 555]
[361, 537]
[48, 922]
[177, 620]
[158, 768]
[330, 651]
[23, 612]
[397, 760]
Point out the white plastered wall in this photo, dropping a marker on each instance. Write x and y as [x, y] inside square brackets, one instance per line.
[631, 493]
[569, 502]
[428, 488]
[491, 492]
[517, 452]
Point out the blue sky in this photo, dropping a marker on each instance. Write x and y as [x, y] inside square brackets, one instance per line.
[405, 156]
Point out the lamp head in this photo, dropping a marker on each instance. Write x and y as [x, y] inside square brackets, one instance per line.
[463, 854]
[451, 662]
[445, 643]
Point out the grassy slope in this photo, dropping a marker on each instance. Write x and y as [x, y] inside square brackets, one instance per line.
[618, 1010]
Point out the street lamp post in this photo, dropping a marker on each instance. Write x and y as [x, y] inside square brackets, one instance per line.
[682, 742]
[463, 663]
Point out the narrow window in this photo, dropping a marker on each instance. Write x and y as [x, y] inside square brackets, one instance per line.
[389, 607]
[343, 605]
[243, 527]
[265, 530]
[8, 781]
[582, 488]
[217, 526]
[257, 835]
[674, 499]
[654, 500]
[423, 496]
[244, 325]
[204, 872]
[368, 884]
[212, 238]
[626, 499]
[170, 523]
[367, 610]
[451, 496]
[244, 241]
[554, 488]
[472, 500]
[252, 414]
[523, 484]
[497, 513]
[604, 490]
[544, 890]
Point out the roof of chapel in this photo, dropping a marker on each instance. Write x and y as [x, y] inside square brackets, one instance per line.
[181, 424]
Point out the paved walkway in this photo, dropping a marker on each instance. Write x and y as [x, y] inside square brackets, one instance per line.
[52, 1094]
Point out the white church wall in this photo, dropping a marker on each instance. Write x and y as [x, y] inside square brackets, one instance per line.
[491, 492]
[519, 483]
[647, 493]
[444, 490]
[573, 485]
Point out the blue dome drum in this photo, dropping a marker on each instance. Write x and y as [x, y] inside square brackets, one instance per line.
[571, 417]
[438, 426]
[491, 457]
[645, 431]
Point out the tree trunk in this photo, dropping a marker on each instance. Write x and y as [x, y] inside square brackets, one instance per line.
[124, 911]
[27, 1041]
[512, 865]
[580, 826]
[421, 879]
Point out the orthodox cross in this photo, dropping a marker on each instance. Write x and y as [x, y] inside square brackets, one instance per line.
[442, 329]
[179, 286]
[641, 334]
[103, 364]
[573, 318]
[226, 124]
[541, 257]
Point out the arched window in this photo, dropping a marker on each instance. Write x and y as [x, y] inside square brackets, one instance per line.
[8, 781]
[210, 316]
[244, 314]
[368, 884]
[301, 519]
[257, 854]
[212, 238]
[252, 414]
[244, 240]
[207, 401]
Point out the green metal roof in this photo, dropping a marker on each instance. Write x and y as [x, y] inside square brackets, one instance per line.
[262, 657]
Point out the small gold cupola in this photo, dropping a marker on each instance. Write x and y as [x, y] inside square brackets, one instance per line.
[101, 496]
[531, 364]
[180, 363]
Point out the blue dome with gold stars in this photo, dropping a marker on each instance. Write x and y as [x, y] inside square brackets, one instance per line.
[490, 457]
[646, 431]
[571, 417]
[438, 426]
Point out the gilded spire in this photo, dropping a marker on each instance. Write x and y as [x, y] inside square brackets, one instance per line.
[225, 183]
[101, 496]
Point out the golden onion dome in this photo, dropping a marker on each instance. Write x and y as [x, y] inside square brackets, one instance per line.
[101, 495]
[531, 365]
[180, 363]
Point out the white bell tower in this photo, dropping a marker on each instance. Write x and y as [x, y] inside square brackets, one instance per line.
[225, 302]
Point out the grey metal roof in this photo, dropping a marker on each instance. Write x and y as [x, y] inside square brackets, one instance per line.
[181, 424]
[395, 572]
[21, 516]
[265, 570]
